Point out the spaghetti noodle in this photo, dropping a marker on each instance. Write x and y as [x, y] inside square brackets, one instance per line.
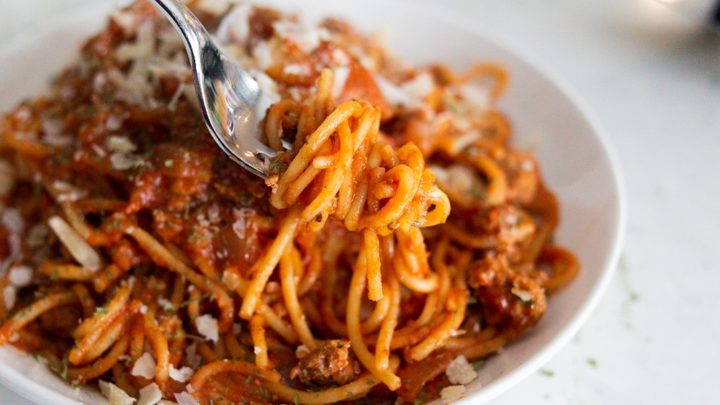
[400, 232]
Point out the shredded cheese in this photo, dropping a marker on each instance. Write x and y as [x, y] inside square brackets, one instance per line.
[234, 27]
[301, 351]
[207, 326]
[182, 375]
[476, 97]
[306, 34]
[340, 75]
[452, 393]
[65, 191]
[80, 250]
[9, 296]
[20, 276]
[114, 394]
[144, 366]
[524, 295]
[262, 54]
[184, 398]
[214, 7]
[459, 371]
[150, 395]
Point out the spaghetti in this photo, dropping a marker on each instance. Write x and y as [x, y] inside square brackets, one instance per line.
[399, 233]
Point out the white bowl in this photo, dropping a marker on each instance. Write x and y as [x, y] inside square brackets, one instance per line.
[575, 159]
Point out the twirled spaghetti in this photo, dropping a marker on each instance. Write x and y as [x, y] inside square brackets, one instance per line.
[399, 235]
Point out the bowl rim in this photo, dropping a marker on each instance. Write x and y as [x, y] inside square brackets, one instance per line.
[35, 391]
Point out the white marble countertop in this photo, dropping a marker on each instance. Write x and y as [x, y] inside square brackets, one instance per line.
[653, 80]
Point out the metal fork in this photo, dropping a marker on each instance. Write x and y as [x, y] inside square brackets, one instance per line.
[231, 101]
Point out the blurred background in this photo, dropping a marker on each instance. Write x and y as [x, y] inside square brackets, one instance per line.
[650, 72]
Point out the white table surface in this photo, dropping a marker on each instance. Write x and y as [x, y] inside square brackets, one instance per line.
[653, 80]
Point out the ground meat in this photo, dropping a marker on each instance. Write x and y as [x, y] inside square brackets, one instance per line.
[523, 176]
[511, 299]
[331, 363]
[509, 225]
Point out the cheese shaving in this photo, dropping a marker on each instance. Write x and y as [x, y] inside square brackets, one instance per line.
[114, 394]
[20, 276]
[182, 375]
[452, 393]
[184, 398]
[207, 326]
[459, 371]
[150, 395]
[144, 366]
[75, 244]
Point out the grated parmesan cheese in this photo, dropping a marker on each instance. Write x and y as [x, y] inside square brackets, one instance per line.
[305, 35]
[214, 7]
[57, 140]
[240, 224]
[75, 244]
[464, 140]
[419, 86]
[524, 295]
[459, 371]
[150, 395]
[15, 224]
[452, 393]
[294, 69]
[67, 192]
[207, 326]
[179, 92]
[120, 144]
[114, 394]
[234, 27]
[125, 19]
[99, 81]
[20, 276]
[184, 398]
[267, 85]
[144, 366]
[214, 214]
[122, 157]
[23, 114]
[340, 75]
[120, 161]
[476, 97]
[113, 122]
[263, 56]
[9, 296]
[340, 57]
[13, 221]
[99, 150]
[410, 94]
[456, 177]
[182, 375]
[392, 93]
[301, 351]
